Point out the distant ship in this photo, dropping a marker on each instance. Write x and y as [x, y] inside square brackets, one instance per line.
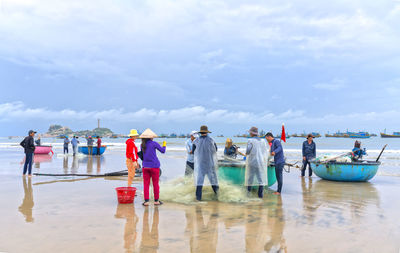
[362, 135]
[338, 134]
[394, 135]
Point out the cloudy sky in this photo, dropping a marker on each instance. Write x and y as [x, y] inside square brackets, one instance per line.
[174, 65]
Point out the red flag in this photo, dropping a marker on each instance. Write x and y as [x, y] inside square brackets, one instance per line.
[283, 135]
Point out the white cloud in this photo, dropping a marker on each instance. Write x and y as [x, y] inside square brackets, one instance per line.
[18, 111]
[334, 85]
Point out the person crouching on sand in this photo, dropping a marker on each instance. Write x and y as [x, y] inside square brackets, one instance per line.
[151, 165]
[131, 155]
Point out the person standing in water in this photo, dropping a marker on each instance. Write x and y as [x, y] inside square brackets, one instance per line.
[205, 162]
[90, 145]
[38, 142]
[29, 148]
[151, 165]
[279, 159]
[66, 142]
[309, 153]
[256, 162]
[74, 143]
[190, 157]
[98, 145]
[131, 155]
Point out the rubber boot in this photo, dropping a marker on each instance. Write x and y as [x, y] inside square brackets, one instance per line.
[216, 190]
[260, 191]
[199, 190]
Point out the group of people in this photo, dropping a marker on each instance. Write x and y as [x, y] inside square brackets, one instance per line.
[74, 142]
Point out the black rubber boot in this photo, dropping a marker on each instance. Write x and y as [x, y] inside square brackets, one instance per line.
[260, 191]
[199, 191]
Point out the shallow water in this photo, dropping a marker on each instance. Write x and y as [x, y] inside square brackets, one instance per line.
[66, 214]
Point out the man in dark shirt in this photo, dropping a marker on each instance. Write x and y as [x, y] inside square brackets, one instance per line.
[309, 153]
[279, 159]
[29, 147]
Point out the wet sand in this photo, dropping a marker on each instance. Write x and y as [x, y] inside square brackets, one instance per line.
[46, 214]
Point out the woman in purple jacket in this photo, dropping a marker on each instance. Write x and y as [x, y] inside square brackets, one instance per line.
[151, 165]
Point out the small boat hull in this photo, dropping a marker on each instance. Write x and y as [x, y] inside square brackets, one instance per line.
[346, 172]
[383, 135]
[234, 172]
[43, 150]
[85, 150]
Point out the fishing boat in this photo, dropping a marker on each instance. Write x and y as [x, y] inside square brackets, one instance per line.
[338, 134]
[85, 150]
[360, 135]
[359, 171]
[233, 170]
[394, 135]
[43, 150]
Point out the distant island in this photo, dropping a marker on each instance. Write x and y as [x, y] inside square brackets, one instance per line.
[61, 131]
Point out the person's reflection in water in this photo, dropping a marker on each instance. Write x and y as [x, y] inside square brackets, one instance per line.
[203, 237]
[256, 227]
[276, 222]
[309, 201]
[89, 167]
[75, 164]
[27, 203]
[127, 212]
[98, 163]
[149, 242]
[65, 164]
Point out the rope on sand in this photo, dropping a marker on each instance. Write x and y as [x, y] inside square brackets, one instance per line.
[110, 174]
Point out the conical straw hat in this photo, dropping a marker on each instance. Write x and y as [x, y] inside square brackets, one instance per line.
[148, 134]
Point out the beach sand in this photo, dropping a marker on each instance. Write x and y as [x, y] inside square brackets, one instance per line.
[48, 214]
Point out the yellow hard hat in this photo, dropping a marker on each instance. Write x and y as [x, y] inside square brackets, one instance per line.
[133, 133]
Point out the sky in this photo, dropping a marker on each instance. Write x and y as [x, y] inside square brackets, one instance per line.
[175, 65]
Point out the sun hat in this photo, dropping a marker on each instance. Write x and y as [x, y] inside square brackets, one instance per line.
[310, 135]
[204, 129]
[31, 131]
[193, 133]
[253, 130]
[133, 133]
[148, 134]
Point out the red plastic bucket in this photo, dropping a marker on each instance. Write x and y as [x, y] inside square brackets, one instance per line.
[125, 195]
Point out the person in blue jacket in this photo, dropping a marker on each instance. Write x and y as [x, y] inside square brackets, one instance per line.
[358, 153]
[279, 159]
[309, 151]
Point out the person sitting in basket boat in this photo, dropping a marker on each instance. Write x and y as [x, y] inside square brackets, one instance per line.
[231, 150]
[358, 152]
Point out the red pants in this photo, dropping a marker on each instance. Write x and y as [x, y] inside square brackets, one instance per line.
[154, 174]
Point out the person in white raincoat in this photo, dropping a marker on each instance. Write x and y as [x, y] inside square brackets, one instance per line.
[256, 162]
[205, 162]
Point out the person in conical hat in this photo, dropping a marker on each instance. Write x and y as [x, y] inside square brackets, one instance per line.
[131, 155]
[205, 162]
[151, 165]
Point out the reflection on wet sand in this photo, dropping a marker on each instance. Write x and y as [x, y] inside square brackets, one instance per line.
[65, 164]
[263, 225]
[203, 235]
[89, 163]
[74, 165]
[310, 203]
[149, 242]
[356, 196]
[130, 234]
[27, 203]
[41, 158]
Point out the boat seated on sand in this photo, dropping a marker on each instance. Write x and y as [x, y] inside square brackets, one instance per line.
[85, 150]
[43, 150]
[354, 171]
[234, 170]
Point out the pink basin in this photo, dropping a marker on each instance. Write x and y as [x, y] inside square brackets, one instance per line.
[43, 149]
